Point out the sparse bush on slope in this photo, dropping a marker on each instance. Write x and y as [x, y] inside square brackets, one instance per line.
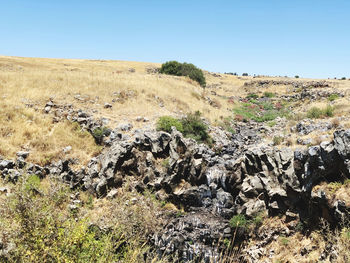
[42, 229]
[166, 122]
[333, 97]
[98, 134]
[37, 224]
[183, 69]
[315, 112]
[192, 126]
[195, 128]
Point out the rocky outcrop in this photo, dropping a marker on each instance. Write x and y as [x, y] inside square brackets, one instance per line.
[212, 188]
[208, 187]
[294, 83]
[308, 126]
[311, 94]
[300, 90]
[270, 182]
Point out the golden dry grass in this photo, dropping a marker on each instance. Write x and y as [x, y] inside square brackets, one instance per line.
[289, 248]
[33, 81]
[126, 85]
[28, 130]
[336, 191]
[40, 79]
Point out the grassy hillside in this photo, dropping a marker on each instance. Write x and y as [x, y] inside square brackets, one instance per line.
[26, 84]
[132, 88]
[34, 206]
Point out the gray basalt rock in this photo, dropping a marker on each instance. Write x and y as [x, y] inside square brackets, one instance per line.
[342, 143]
[270, 181]
[210, 185]
[22, 154]
[6, 164]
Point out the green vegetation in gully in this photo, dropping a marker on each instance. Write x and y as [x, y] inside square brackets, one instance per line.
[260, 110]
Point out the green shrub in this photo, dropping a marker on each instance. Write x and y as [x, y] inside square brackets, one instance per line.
[171, 68]
[190, 126]
[165, 123]
[271, 123]
[183, 69]
[39, 227]
[226, 242]
[328, 111]
[269, 94]
[252, 96]
[277, 140]
[267, 105]
[32, 182]
[314, 113]
[98, 134]
[267, 116]
[284, 240]
[258, 219]
[296, 76]
[195, 128]
[42, 232]
[333, 97]
[254, 101]
[239, 221]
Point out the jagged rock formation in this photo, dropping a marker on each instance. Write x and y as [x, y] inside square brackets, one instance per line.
[300, 90]
[294, 83]
[211, 187]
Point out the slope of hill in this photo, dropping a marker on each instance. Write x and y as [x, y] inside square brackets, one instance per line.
[28, 83]
[85, 177]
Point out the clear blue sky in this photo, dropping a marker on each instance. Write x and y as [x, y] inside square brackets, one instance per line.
[310, 38]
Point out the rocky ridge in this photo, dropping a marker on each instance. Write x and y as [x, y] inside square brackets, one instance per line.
[211, 187]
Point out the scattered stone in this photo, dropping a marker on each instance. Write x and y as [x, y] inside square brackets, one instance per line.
[4, 190]
[73, 208]
[22, 154]
[112, 194]
[67, 149]
[125, 127]
[47, 109]
[107, 105]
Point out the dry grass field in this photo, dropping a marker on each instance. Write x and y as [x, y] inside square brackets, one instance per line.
[138, 93]
[130, 87]
[134, 89]
[33, 81]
